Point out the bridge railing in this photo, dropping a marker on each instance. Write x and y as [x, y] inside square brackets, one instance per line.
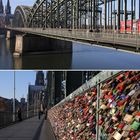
[83, 31]
[107, 37]
[6, 117]
[86, 112]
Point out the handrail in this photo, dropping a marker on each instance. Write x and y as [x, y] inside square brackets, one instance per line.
[6, 117]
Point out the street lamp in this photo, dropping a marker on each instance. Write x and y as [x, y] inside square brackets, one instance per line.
[14, 99]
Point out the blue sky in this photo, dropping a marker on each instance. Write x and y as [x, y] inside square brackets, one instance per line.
[23, 78]
[14, 4]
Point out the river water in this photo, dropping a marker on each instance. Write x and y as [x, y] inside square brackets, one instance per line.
[83, 56]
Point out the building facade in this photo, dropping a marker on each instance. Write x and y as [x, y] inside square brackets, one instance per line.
[35, 92]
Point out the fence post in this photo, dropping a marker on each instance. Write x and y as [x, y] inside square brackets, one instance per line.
[97, 108]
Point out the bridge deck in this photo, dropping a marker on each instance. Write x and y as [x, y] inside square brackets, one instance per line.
[25, 130]
[47, 132]
[129, 40]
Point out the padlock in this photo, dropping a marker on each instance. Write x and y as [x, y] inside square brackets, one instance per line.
[128, 118]
[117, 136]
[127, 108]
[101, 121]
[114, 118]
[131, 133]
[125, 134]
[135, 125]
[111, 130]
[132, 92]
[103, 106]
[132, 108]
[121, 126]
[112, 111]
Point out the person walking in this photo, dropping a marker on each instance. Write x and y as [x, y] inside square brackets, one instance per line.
[46, 113]
[39, 114]
[19, 114]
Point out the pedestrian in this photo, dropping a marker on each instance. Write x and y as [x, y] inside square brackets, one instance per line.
[39, 114]
[19, 114]
[46, 113]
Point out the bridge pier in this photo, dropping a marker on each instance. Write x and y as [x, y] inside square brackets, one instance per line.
[26, 43]
[9, 34]
[18, 45]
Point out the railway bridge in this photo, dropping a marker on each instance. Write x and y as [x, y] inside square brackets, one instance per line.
[114, 22]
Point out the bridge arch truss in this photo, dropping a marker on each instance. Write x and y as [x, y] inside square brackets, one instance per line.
[81, 14]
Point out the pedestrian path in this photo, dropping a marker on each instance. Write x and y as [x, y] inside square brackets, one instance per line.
[47, 132]
[25, 130]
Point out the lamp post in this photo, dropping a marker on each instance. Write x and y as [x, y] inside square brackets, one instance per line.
[14, 99]
[27, 106]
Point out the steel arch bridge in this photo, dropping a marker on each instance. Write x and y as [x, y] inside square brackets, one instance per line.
[76, 14]
[21, 16]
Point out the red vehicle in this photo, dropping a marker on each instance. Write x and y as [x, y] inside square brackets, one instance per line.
[136, 26]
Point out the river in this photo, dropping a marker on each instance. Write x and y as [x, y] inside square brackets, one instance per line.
[83, 56]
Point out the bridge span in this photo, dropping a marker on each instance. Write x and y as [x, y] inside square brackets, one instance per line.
[127, 41]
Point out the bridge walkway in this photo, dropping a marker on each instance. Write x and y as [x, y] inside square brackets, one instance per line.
[30, 129]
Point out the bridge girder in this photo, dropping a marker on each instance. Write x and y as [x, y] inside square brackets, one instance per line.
[78, 14]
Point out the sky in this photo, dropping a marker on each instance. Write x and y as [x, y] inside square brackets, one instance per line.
[15, 3]
[22, 78]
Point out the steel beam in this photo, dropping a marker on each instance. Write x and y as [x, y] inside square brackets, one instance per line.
[125, 15]
[86, 12]
[65, 15]
[58, 14]
[132, 2]
[94, 14]
[134, 9]
[91, 13]
[108, 13]
[46, 14]
[51, 14]
[111, 14]
[42, 12]
[105, 14]
[77, 14]
[119, 4]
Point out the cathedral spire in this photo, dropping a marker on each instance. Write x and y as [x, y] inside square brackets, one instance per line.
[1, 7]
[8, 8]
[39, 78]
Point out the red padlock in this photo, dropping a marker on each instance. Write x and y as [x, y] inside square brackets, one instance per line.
[131, 133]
[111, 130]
[101, 121]
[121, 125]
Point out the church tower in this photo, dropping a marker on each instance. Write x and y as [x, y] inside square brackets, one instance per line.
[1, 7]
[39, 78]
[8, 8]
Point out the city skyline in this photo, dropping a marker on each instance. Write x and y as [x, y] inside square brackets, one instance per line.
[22, 80]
